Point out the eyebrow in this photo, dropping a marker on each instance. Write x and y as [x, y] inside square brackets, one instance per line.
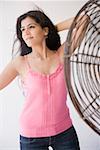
[29, 25]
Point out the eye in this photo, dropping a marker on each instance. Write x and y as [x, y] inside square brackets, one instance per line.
[31, 26]
[22, 29]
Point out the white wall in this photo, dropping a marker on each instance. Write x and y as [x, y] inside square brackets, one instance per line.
[11, 98]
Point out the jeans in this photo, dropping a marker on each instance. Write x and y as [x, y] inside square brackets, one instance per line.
[66, 140]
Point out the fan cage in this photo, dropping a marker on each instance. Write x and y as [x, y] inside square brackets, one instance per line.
[82, 64]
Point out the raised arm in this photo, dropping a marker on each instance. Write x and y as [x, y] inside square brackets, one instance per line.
[64, 25]
[8, 74]
[78, 32]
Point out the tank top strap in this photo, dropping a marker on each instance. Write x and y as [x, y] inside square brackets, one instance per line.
[27, 64]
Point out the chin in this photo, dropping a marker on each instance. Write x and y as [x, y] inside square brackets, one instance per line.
[29, 45]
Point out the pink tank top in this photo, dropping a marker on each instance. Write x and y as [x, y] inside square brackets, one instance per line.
[45, 112]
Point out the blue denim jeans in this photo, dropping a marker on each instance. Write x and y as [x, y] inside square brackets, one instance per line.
[66, 140]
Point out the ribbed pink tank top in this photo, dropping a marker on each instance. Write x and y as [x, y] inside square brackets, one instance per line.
[45, 112]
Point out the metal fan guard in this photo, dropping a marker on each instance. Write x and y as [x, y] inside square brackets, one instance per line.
[82, 67]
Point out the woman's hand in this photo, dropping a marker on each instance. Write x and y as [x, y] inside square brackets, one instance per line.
[79, 31]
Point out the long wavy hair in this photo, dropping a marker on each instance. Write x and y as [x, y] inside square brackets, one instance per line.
[52, 40]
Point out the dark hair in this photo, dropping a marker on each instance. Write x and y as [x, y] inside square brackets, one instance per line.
[53, 39]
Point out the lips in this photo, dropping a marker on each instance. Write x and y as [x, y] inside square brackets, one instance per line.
[28, 38]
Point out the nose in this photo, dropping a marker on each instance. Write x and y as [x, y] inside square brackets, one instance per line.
[26, 32]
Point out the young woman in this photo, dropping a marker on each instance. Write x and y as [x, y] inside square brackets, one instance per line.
[45, 120]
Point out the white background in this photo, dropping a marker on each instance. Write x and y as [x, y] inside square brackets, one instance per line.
[11, 98]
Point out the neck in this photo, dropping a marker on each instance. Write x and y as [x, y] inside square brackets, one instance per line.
[40, 52]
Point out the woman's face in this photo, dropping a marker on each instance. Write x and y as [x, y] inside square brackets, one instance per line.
[32, 32]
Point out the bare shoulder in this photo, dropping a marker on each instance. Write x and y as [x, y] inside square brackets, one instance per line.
[11, 71]
[18, 59]
[19, 63]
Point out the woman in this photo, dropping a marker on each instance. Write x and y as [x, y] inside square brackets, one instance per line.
[45, 120]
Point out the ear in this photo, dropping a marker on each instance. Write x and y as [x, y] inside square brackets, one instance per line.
[46, 31]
